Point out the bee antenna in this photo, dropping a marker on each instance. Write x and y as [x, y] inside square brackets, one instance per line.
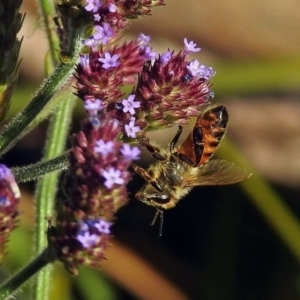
[161, 220]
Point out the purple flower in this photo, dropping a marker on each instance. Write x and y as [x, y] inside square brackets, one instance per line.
[130, 105]
[98, 32]
[93, 106]
[112, 176]
[144, 39]
[104, 147]
[90, 42]
[103, 226]
[165, 57]
[131, 130]
[97, 17]
[110, 61]
[112, 7]
[7, 175]
[103, 33]
[207, 73]
[5, 172]
[147, 52]
[200, 70]
[88, 240]
[93, 5]
[130, 153]
[83, 227]
[4, 201]
[190, 46]
[84, 60]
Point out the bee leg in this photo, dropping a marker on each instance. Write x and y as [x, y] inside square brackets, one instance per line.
[175, 139]
[161, 220]
[142, 172]
[154, 151]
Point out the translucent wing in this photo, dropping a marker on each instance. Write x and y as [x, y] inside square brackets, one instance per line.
[217, 172]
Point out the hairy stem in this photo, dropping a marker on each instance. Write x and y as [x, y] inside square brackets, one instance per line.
[8, 288]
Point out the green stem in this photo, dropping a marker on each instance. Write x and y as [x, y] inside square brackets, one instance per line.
[48, 11]
[267, 201]
[8, 288]
[46, 188]
[13, 131]
[37, 170]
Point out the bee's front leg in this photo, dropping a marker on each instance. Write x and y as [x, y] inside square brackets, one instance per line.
[154, 151]
[142, 172]
[147, 176]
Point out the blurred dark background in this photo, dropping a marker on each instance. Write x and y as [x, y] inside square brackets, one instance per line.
[218, 243]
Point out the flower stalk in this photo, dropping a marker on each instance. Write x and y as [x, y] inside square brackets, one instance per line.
[8, 288]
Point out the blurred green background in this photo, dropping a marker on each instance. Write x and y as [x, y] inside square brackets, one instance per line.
[235, 242]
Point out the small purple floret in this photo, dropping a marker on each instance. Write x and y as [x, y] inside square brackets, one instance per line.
[131, 130]
[104, 147]
[130, 105]
[93, 5]
[103, 226]
[147, 52]
[200, 70]
[130, 153]
[112, 176]
[110, 61]
[93, 106]
[88, 240]
[112, 7]
[103, 33]
[165, 57]
[190, 47]
[144, 39]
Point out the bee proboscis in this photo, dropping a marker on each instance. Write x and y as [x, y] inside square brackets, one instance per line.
[179, 169]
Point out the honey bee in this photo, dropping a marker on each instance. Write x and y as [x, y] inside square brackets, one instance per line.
[179, 169]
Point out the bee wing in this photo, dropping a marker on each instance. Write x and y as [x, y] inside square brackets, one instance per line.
[217, 172]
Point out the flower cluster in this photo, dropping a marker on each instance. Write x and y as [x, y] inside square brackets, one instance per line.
[95, 188]
[9, 199]
[169, 88]
[110, 17]
[165, 89]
